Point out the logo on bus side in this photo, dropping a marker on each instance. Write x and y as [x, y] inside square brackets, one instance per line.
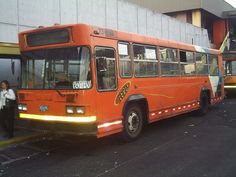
[124, 90]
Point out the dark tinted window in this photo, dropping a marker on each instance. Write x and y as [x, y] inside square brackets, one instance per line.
[48, 37]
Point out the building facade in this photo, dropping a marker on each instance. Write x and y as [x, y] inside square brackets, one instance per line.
[208, 14]
[20, 15]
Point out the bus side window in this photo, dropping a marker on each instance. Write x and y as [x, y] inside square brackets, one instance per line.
[169, 62]
[233, 68]
[124, 60]
[187, 63]
[213, 65]
[201, 64]
[145, 61]
[230, 68]
[106, 68]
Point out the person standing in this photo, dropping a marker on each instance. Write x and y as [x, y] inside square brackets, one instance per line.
[7, 108]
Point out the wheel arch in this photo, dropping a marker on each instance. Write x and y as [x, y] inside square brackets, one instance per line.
[138, 99]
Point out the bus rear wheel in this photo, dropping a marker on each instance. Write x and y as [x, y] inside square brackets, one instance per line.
[132, 123]
[204, 104]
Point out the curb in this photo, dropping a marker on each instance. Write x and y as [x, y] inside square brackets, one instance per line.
[21, 139]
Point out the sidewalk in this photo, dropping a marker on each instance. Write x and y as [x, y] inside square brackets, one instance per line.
[20, 136]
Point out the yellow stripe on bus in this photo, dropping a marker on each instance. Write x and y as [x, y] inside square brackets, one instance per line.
[86, 119]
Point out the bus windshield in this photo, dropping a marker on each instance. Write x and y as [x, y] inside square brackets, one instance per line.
[62, 68]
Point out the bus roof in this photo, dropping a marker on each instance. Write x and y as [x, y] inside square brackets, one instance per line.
[89, 30]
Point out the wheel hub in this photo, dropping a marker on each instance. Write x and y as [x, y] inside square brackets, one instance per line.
[133, 122]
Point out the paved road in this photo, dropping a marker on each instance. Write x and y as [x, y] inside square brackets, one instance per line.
[185, 146]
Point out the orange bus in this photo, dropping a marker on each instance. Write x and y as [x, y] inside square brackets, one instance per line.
[87, 80]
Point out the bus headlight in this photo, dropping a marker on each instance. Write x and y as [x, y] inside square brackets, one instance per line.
[75, 109]
[80, 110]
[70, 110]
[22, 107]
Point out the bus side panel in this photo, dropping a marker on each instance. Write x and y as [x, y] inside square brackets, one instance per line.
[166, 94]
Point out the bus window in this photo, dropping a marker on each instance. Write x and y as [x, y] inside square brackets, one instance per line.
[145, 61]
[106, 68]
[187, 63]
[169, 62]
[124, 60]
[201, 64]
[233, 67]
[230, 68]
[213, 65]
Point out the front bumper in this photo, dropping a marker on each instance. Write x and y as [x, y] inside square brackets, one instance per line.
[59, 127]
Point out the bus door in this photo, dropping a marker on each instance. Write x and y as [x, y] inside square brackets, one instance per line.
[106, 78]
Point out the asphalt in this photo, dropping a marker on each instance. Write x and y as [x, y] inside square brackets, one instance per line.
[20, 136]
[185, 146]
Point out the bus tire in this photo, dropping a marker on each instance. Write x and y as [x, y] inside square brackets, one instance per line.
[204, 104]
[132, 122]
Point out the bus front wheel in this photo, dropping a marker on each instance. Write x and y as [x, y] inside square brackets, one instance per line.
[132, 122]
